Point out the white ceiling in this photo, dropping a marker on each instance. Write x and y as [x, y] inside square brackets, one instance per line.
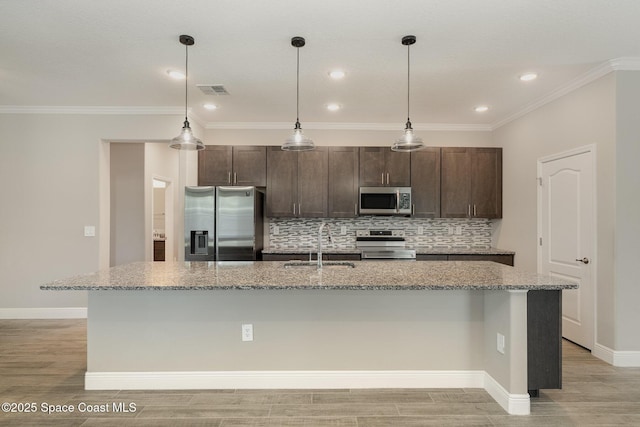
[115, 53]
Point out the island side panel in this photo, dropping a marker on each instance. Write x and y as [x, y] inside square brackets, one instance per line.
[506, 314]
[165, 331]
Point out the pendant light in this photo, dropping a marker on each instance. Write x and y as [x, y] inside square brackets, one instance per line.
[298, 141]
[186, 140]
[408, 142]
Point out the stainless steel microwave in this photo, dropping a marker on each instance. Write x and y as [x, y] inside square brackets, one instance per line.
[385, 201]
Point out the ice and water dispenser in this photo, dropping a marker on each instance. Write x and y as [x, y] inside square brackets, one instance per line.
[199, 220]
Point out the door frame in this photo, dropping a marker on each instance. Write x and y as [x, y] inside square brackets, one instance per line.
[591, 148]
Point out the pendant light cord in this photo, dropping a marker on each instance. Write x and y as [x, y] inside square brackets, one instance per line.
[408, 80]
[186, 79]
[297, 85]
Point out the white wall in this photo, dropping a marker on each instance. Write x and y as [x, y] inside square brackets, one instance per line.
[50, 168]
[583, 117]
[127, 237]
[627, 212]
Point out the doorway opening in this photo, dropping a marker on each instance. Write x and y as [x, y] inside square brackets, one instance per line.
[162, 219]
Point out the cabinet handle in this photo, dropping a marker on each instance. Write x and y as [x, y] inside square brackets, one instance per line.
[382, 178]
[413, 209]
[469, 210]
[235, 177]
[387, 178]
[294, 208]
[229, 178]
[355, 209]
[299, 209]
[474, 210]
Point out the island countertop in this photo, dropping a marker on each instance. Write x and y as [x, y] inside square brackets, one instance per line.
[367, 275]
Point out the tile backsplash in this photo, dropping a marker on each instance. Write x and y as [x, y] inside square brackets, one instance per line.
[291, 233]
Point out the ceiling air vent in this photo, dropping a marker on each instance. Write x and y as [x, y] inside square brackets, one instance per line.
[213, 89]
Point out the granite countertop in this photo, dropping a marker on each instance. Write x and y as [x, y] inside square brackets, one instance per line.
[367, 275]
[419, 250]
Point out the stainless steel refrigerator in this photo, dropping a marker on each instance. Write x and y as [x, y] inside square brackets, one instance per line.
[223, 223]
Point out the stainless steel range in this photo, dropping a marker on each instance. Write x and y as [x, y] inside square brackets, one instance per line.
[383, 244]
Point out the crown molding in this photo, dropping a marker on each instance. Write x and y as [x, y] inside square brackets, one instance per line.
[625, 64]
[617, 64]
[348, 126]
[36, 109]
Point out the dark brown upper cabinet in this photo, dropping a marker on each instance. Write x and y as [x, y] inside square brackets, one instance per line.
[381, 167]
[297, 183]
[238, 165]
[471, 184]
[343, 182]
[425, 183]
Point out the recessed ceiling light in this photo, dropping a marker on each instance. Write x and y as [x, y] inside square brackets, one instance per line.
[527, 77]
[481, 109]
[333, 107]
[178, 75]
[337, 74]
[210, 106]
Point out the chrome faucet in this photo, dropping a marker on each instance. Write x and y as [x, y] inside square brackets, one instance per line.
[320, 241]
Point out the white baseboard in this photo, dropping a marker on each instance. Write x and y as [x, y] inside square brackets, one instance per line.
[625, 359]
[515, 404]
[44, 313]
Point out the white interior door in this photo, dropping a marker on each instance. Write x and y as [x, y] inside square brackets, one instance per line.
[567, 231]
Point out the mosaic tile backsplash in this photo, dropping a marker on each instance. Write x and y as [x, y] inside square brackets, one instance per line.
[438, 233]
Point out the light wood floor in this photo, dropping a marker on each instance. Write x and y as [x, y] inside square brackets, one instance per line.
[43, 362]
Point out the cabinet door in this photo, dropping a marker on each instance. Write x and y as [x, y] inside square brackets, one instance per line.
[343, 182]
[486, 183]
[397, 168]
[215, 165]
[313, 173]
[456, 182]
[250, 166]
[282, 189]
[425, 182]
[372, 162]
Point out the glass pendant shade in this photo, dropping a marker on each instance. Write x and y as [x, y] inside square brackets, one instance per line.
[408, 142]
[298, 141]
[186, 140]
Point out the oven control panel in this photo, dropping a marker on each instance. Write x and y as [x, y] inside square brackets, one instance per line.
[380, 233]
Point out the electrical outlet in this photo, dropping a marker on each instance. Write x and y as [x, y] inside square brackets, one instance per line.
[458, 230]
[420, 230]
[450, 231]
[343, 230]
[276, 230]
[500, 343]
[247, 332]
[89, 231]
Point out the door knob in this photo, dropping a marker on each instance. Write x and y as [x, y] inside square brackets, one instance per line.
[584, 260]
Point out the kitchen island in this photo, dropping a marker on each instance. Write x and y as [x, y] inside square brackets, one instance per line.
[376, 325]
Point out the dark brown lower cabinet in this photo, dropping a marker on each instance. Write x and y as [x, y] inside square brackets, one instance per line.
[544, 340]
[314, 256]
[158, 250]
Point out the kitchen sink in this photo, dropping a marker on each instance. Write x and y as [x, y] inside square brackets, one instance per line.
[315, 264]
